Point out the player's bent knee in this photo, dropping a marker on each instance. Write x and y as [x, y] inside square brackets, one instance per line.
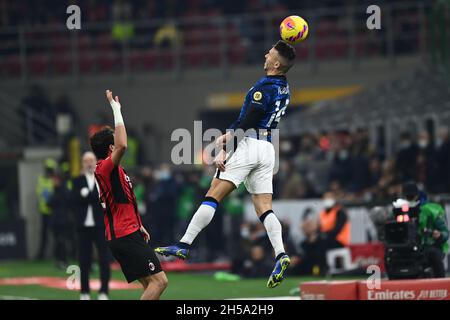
[160, 280]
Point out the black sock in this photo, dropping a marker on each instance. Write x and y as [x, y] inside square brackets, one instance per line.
[183, 245]
[279, 256]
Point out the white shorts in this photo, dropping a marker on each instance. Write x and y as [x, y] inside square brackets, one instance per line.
[252, 162]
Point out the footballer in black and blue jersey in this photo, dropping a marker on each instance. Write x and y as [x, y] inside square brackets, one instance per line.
[253, 160]
[264, 104]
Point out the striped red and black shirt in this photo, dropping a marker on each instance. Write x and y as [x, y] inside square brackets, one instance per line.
[118, 200]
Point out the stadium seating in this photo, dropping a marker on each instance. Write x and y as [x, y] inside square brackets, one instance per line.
[208, 37]
[422, 92]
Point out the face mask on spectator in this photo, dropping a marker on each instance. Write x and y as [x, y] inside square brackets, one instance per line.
[343, 154]
[329, 203]
[423, 143]
[245, 232]
[163, 175]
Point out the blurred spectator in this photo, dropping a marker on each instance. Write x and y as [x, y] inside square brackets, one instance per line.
[139, 192]
[72, 244]
[288, 243]
[168, 36]
[334, 223]
[426, 162]
[406, 158]
[123, 28]
[44, 189]
[133, 156]
[148, 182]
[39, 116]
[67, 120]
[443, 160]
[360, 176]
[214, 237]
[291, 186]
[386, 187]
[189, 193]
[163, 199]
[341, 168]
[233, 208]
[59, 201]
[258, 265]
[63, 105]
[374, 175]
[312, 259]
[90, 226]
[336, 189]
[258, 236]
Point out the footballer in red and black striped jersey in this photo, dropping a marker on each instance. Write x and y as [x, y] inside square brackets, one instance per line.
[127, 237]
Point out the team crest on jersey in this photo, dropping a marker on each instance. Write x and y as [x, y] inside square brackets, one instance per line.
[257, 96]
[127, 179]
[151, 265]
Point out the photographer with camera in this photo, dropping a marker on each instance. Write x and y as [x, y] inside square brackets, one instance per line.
[433, 230]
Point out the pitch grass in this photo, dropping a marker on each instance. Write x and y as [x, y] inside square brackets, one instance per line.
[182, 286]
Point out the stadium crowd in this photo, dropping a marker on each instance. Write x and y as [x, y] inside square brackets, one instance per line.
[349, 164]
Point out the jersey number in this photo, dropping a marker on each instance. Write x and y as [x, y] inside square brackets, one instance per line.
[279, 111]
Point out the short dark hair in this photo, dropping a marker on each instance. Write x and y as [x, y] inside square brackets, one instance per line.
[100, 142]
[287, 52]
[410, 191]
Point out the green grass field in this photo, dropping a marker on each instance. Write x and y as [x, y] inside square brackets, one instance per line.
[182, 286]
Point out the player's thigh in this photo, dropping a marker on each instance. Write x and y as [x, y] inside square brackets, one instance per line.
[236, 171]
[262, 202]
[220, 189]
[260, 180]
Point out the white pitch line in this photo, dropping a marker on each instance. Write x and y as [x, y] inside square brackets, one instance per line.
[15, 298]
[268, 298]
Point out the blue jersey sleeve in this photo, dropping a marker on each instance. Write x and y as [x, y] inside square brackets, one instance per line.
[261, 97]
[258, 99]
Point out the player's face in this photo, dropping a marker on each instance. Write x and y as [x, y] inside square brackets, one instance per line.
[271, 62]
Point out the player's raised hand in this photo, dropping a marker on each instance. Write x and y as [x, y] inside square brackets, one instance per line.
[114, 102]
[120, 136]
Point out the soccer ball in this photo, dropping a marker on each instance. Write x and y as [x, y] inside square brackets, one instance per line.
[294, 29]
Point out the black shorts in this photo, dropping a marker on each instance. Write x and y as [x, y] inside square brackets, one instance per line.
[135, 256]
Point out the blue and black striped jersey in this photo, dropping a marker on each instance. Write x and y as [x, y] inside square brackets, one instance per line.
[270, 96]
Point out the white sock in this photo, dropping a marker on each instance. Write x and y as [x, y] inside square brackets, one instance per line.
[273, 228]
[201, 219]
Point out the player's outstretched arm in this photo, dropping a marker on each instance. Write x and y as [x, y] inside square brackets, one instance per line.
[120, 135]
